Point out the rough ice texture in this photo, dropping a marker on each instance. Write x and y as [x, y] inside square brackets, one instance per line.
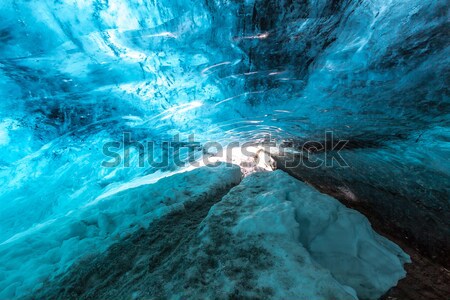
[30, 259]
[270, 237]
[305, 233]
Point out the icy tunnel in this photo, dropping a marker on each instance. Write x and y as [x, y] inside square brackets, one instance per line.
[224, 149]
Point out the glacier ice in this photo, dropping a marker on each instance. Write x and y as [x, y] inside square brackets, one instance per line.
[75, 75]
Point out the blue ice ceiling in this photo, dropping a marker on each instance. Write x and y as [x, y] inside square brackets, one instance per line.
[75, 74]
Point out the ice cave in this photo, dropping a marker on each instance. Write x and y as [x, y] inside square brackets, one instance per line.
[225, 149]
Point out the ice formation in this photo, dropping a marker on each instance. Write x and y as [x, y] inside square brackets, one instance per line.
[304, 236]
[77, 75]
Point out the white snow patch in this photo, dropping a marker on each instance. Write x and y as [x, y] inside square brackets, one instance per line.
[319, 248]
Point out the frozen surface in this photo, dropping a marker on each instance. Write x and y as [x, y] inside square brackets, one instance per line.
[33, 257]
[306, 234]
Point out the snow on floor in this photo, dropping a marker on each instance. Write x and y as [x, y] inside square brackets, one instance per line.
[198, 254]
[288, 237]
[271, 236]
[31, 259]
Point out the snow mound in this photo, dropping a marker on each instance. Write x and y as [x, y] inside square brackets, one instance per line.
[301, 244]
[30, 260]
